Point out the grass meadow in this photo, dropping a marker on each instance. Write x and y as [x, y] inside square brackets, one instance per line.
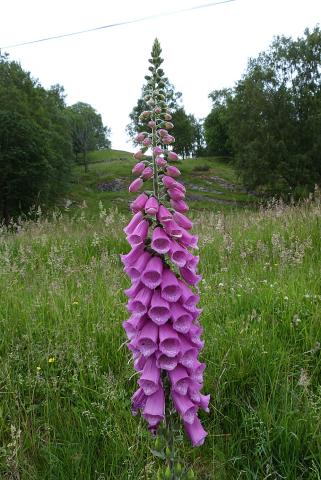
[66, 378]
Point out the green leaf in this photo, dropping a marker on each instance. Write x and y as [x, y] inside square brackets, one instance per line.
[158, 454]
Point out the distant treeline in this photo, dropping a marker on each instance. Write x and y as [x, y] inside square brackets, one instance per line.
[40, 138]
[270, 122]
[269, 125]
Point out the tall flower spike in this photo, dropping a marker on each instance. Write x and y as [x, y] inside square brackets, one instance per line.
[163, 329]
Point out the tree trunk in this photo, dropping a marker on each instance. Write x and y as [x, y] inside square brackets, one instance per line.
[5, 211]
[85, 160]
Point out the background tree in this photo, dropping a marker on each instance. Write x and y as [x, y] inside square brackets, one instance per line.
[216, 124]
[88, 131]
[272, 118]
[35, 142]
[188, 133]
[199, 145]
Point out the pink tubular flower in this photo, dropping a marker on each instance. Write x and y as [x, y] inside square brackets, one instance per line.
[188, 352]
[159, 310]
[169, 125]
[134, 271]
[136, 185]
[176, 194]
[192, 262]
[182, 319]
[139, 203]
[147, 339]
[196, 432]
[138, 168]
[138, 155]
[172, 171]
[147, 142]
[166, 363]
[189, 276]
[160, 241]
[190, 241]
[182, 221]
[180, 380]
[178, 254]
[185, 407]
[152, 275]
[162, 132]
[138, 401]
[151, 124]
[194, 336]
[160, 161]
[172, 156]
[157, 150]
[150, 379]
[168, 139]
[140, 362]
[138, 217]
[147, 173]
[169, 343]
[189, 299]
[133, 325]
[140, 137]
[203, 402]
[132, 256]
[139, 235]
[172, 229]
[194, 392]
[196, 373]
[179, 186]
[168, 182]
[140, 302]
[168, 116]
[179, 205]
[154, 409]
[170, 288]
[134, 289]
[151, 206]
[164, 215]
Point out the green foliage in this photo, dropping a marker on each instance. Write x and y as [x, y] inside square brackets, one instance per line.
[216, 124]
[188, 134]
[272, 118]
[35, 144]
[66, 379]
[88, 131]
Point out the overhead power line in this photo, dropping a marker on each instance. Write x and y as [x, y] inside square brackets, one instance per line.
[119, 24]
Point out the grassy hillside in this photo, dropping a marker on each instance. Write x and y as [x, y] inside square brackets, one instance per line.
[66, 379]
[211, 183]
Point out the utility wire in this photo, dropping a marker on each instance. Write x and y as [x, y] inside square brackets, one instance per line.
[142, 19]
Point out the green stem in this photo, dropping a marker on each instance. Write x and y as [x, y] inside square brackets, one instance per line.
[171, 444]
[155, 174]
[170, 433]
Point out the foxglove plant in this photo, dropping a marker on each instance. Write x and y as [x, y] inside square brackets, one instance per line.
[163, 329]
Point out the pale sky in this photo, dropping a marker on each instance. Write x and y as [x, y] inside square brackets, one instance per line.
[203, 50]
